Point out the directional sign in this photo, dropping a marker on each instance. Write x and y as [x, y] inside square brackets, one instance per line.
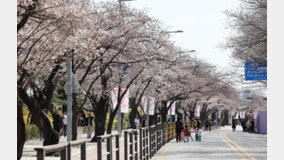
[241, 96]
[255, 71]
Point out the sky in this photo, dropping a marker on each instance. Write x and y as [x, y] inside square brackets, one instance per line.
[203, 22]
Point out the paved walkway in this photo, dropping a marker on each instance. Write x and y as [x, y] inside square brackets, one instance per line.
[218, 144]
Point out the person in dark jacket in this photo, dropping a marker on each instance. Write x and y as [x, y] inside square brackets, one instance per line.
[89, 125]
[252, 127]
[243, 122]
[179, 128]
[81, 124]
[234, 125]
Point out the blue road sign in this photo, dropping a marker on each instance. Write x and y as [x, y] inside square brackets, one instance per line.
[255, 72]
[125, 69]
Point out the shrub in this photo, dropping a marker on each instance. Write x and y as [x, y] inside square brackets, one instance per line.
[32, 132]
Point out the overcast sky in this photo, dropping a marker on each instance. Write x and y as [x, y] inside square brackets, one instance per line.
[203, 23]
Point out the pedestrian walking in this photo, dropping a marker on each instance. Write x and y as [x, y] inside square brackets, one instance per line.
[206, 124]
[195, 132]
[137, 121]
[252, 126]
[248, 125]
[187, 134]
[81, 124]
[243, 123]
[89, 125]
[179, 129]
[234, 125]
[199, 134]
[65, 124]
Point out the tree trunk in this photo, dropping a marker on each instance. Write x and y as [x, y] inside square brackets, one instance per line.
[133, 112]
[50, 136]
[164, 111]
[21, 132]
[100, 117]
[110, 122]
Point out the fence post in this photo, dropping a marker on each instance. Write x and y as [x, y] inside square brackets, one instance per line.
[109, 148]
[136, 144]
[155, 140]
[147, 143]
[117, 146]
[131, 145]
[69, 151]
[40, 154]
[99, 148]
[125, 146]
[174, 130]
[151, 141]
[63, 154]
[83, 151]
[167, 133]
[141, 143]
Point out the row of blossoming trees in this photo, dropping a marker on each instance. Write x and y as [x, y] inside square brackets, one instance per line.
[104, 38]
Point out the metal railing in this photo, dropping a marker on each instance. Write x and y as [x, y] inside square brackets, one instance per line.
[153, 140]
[159, 133]
[109, 152]
[133, 144]
[144, 143]
[64, 149]
[150, 141]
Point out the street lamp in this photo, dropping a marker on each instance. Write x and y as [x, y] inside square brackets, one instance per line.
[69, 93]
[187, 51]
[177, 31]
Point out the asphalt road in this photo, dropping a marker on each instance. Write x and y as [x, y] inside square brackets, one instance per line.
[220, 144]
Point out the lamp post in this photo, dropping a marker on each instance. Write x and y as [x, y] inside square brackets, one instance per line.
[119, 109]
[177, 31]
[147, 120]
[69, 93]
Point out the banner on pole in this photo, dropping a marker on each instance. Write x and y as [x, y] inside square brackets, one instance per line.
[144, 104]
[173, 108]
[188, 113]
[151, 105]
[197, 111]
[124, 104]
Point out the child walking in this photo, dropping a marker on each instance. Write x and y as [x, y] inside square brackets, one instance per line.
[187, 134]
[196, 133]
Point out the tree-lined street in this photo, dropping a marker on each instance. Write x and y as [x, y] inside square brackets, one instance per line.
[105, 67]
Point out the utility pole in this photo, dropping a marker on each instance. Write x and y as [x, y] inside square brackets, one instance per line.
[147, 120]
[170, 113]
[119, 119]
[69, 94]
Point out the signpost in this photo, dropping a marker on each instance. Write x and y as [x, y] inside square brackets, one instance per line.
[148, 104]
[123, 106]
[255, 71]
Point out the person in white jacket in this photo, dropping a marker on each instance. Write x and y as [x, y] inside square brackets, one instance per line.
[137, 121]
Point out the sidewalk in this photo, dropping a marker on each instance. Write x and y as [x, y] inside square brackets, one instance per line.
[91, 148]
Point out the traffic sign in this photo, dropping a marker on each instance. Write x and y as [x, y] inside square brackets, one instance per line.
[255, 71]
